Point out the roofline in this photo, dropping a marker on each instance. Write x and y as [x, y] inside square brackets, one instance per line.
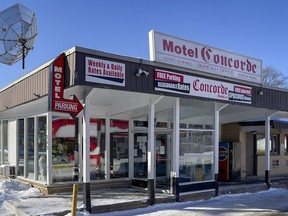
[138, 60]
[160, 64]
[26, 75]
[108, 55]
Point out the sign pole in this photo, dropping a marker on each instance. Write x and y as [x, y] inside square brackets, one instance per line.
[86, 155]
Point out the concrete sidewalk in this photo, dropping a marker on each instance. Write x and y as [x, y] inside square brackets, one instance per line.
[108, 200]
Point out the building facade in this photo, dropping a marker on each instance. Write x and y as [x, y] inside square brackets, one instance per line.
[102, 119]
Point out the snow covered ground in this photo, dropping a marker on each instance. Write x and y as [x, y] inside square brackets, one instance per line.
[11, 190]
[270, 202]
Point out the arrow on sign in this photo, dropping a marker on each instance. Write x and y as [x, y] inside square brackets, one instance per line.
[73, 107]
[58, 102]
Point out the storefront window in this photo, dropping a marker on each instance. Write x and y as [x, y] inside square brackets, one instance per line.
[97, 148]
[196, 140]
[30, 131]
[41, 140]
[119, 147]
[20, 147]
[64, 149]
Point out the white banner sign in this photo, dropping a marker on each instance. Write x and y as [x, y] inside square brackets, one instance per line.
[183, 53]
[105, 72]
[166, 81]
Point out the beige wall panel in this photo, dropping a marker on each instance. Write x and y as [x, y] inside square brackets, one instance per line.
[24, 90]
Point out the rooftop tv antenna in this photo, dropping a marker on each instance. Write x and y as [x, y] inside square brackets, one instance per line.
[18, 31]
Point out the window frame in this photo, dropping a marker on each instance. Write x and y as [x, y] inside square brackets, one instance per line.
[274, 144]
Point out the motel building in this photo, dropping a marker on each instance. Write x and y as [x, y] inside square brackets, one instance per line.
[189, 117]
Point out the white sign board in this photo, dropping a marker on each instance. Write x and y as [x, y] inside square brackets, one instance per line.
[187, 54]
[167, 81]
[105, 72]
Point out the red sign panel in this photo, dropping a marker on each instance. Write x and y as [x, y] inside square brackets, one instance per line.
[58, 102]
[223, 161]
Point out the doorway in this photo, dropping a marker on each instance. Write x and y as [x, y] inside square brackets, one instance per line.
[163, 154]
[251, 154]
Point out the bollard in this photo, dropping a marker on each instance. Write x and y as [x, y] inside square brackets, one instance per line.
[74, 199]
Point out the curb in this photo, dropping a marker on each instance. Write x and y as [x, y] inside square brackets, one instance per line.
[120, 206]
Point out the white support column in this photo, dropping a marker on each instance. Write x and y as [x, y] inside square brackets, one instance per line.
[35, 148]
[267, 146]
[86, 155]
[218, 108]
[25, 147]
[86, 141]
[267, 150]
[151, 154]
[175, 154]
[1, 144]
[107, 148]
[131, 149]
[80, 148]
[49, 148]
[151, 150]
[216, 142]
[17, 148]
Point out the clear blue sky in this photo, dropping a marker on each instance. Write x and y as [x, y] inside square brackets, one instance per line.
[255, 28]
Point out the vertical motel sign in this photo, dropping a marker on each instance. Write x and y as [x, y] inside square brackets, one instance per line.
[57, 102]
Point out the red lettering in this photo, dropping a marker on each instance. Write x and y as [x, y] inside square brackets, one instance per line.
[254, 68]
[249, 66]
[205, 54]
[178, 49]
[236, 64]
[210, 88]
[181, 50]
[216, 59]
[168, 46]
[208, 55]
[230, 60]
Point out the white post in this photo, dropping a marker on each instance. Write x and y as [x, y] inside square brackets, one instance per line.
[267, 150]
[49, 149]
[25, 148]
[216, 152]
[80, 149]
[86, 155]
[2, 143]
[151, 154]
[216, 142]
[107, 148]
[131, 149]
[35, 148]
[218, 108]
[17, 149]
[86, 141]
[175, 154]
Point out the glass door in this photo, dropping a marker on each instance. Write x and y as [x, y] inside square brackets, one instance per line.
[163, 154]
[140, 155]
[163, 159]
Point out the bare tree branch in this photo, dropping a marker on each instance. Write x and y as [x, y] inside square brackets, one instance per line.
[273, 77]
